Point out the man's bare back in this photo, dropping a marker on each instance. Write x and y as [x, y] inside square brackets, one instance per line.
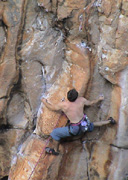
[73, 110]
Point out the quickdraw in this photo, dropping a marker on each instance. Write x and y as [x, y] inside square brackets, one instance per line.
[81, 16]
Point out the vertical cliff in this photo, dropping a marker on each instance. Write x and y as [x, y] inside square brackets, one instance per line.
[48, 47]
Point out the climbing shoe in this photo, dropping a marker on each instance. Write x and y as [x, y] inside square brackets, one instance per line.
[112, 121]
[51, 151]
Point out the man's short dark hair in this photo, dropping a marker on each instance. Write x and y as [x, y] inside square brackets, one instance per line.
[72, 95]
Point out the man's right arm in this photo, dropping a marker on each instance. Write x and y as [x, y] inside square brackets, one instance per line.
[50, 106]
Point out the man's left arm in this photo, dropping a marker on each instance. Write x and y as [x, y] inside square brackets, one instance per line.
[50, 106]
[90, 103]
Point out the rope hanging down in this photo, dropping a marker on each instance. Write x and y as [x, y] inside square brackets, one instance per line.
[43, 150]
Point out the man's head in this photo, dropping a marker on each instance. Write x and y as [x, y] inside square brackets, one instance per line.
[72, 95]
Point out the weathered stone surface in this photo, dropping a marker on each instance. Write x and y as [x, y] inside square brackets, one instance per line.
[125, 7]
[29, 157]
[66, 8]
[15, 112]
[121, 140]
[2, 104]
[48, 47]
[113, 61]
[9, 143]
[121, 34]
[77, 159]
[119, 166]
[101, 157]
[42, 57]
[10, 15]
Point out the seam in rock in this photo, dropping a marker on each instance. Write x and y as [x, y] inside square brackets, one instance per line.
[4, 97]
[87, 161]
[119, 147]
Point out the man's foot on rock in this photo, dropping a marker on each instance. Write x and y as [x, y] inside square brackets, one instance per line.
[112, 121]
[51, 151]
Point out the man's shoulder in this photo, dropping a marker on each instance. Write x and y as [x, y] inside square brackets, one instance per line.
[81, 98]
[63, 104]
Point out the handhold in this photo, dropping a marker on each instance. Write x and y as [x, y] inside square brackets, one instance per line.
[106, 68]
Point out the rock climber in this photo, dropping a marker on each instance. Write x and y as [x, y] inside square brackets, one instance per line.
[73, 108]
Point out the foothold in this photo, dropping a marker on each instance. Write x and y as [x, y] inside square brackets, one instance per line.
[63, 99]
[40, 4]
[83, 44]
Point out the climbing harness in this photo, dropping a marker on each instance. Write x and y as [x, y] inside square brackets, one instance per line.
[43, 149]
[83, 124]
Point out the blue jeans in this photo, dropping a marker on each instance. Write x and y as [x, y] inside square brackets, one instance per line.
[63, 132]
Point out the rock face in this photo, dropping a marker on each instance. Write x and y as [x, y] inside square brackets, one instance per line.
[47, 48]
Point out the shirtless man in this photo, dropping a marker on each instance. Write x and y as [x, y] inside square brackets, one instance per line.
[73, 108]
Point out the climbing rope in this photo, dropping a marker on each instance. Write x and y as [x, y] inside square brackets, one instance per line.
[43, 149]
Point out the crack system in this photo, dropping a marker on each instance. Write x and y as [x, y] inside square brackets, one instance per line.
[87, 159]
[4, 97]
[119, 147]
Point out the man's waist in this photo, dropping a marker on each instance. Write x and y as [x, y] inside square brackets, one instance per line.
[75, 124]
[78, 123]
